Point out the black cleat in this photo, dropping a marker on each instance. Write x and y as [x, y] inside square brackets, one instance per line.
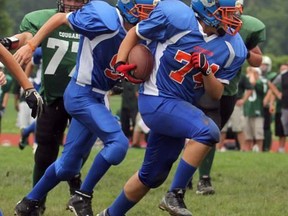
[204, 186]
[27, 207]
[23, 142]
[173, 202]
[74, 184]
[80, 204]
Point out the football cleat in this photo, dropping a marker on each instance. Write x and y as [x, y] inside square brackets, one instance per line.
[80, 204]
[204, 186]
[23, 142]
[173, 203]
[27, 207]
[103, 213]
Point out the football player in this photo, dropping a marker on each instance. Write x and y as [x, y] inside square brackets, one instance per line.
[102, 28]
[59, 51]
[196, 50]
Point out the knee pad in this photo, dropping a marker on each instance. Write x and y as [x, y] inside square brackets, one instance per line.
[153, 180]
[115, 152]
[65, 173]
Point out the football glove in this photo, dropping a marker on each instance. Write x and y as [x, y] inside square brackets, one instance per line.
[9, 43]
[34, 101]
[200, 62]
[125, 71]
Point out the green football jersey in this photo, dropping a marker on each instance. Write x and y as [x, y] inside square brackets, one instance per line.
[253, 107]
[252, 32]
[59, 52]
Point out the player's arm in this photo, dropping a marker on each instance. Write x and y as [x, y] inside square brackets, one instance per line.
[3, 79]
[254, 57]
[32, 97]
[130, 40]
[24, 54]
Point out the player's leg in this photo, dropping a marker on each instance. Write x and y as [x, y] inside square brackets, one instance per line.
[65, 168]
[161, 152]
[98, 122]
[267, 130]
[49, 135]
[220, 117]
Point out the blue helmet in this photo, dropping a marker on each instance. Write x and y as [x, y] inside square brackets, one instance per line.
[135, 10]
[67, 6]
[220, 13]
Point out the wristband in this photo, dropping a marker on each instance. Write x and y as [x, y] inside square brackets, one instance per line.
[32, 47]
[248, 55]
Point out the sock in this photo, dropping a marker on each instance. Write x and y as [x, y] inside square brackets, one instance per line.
[121, 205]
[48, 181]
[183, 175]
[205, 167]
[96, 172]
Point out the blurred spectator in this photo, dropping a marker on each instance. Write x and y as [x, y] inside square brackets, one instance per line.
[140, 132]
[279, 87]
[266, 67]
[253, 111]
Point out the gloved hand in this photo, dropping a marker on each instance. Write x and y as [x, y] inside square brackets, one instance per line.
[200, 62]
[125, 70]
[9, 43]
[34, 101]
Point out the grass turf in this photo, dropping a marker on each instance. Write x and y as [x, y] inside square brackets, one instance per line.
[250, 184]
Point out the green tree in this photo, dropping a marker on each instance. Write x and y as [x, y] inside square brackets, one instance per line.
[6, 21]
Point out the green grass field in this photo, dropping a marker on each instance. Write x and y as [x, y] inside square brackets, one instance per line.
[247, 184]
[250, 184]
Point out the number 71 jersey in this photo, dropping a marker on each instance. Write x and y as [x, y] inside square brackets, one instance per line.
[59, 51]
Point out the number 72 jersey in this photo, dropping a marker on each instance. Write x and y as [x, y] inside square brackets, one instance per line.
[59, 51]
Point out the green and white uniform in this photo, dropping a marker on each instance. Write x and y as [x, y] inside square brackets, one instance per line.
[59, 53]
[252, 32]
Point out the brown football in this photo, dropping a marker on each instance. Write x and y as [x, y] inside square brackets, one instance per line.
[141, 56]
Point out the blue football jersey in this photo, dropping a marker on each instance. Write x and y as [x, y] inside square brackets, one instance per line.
[171, 41]
[101, 29]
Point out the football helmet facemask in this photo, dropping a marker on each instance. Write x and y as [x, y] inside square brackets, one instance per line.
[224, 14]
[134, 11]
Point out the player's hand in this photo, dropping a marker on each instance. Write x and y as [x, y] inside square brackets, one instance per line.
[23, 55]
[34, 101]
[125, 71]
[199, 61]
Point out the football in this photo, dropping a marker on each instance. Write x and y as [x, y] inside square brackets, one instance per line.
[141, 56]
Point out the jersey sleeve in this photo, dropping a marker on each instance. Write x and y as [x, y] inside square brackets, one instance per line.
[162, 24]
[94, 19]
[33, 21]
